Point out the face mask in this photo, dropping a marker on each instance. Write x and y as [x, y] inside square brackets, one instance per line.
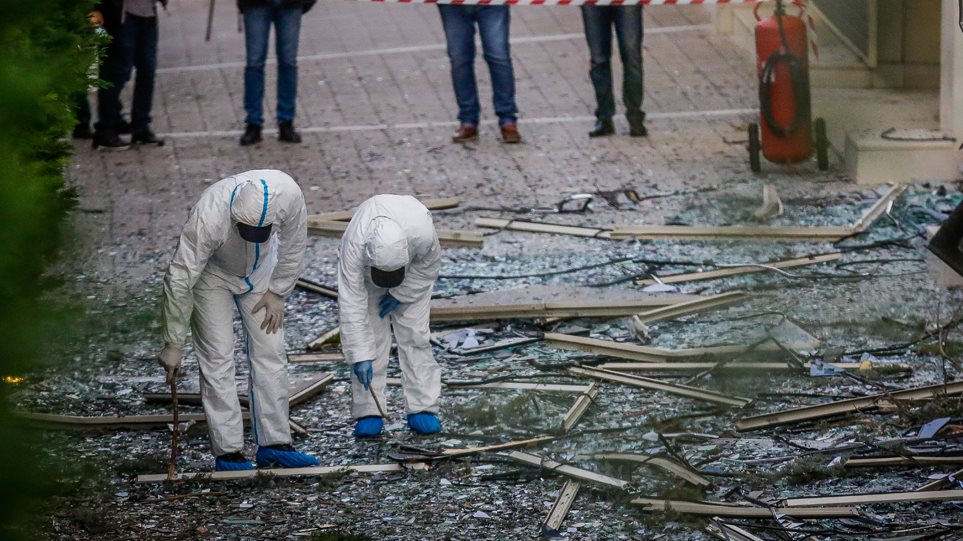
[252, 233]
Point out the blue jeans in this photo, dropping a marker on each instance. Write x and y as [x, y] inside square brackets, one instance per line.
[493, 25]
[139, 45]
[627, 20]
[257, 29]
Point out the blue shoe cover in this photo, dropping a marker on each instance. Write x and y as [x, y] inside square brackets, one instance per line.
[424, 423]
[368, 427]
[232, 462]
[283, 456]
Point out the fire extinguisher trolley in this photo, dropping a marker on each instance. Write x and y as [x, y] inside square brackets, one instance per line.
[788, 134]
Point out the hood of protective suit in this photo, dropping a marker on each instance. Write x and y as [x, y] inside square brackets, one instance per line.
[387, 245]
[253, 203]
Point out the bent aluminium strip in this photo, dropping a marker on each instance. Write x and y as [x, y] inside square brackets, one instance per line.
[345, 215]
[537, 227]
[732, 232]
[654, 384]
[692, 307]
[317, 288]
[740, 511]
[579, 408]
[870, 499]
[676, 468]
[446, 237]
[283, 472]
[842, 407]
[470, 312]
[649, 354]
[569, 471]
[561, 507]
[735, 271]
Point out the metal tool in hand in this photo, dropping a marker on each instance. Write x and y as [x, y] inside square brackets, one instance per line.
[377, 403]
[175, 432]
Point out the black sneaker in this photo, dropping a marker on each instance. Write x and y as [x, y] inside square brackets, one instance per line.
[637, 129]
[123, 127]
[602, 128]
[83, 131]
[109, 140]
[252, 134]
[146, 137]
[286, 132]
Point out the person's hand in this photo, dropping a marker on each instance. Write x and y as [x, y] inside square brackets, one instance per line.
[273, 306]
[364, 372]
[387, 304]
[96, 18]
[170, 358]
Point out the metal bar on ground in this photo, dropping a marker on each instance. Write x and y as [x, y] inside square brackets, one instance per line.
[569, 471]
[561, 507]
[311, 390]
[744, 366]
[940, 483]
[455, 453]
[579, 408]
[880, 207]
[842, 407]
[320, 341]
[692, 307]
[537, 227]
[553, 309]
[649, 354]
[911, 460]
[134, 422]
[511, 385]
[735, 271]
[332, 357]
[463, 239]
[346, 215]
[676, 468]
[317, 288]
[284, 472]
[731, 532]
[732, 232]
[887, 497]
[654, 384]
[720, 509]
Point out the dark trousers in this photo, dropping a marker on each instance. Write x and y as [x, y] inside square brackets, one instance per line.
[133, 47]
[287, 31]
[111, 69]
[493, 23]
[139, 37]
[627, 20]
[81, 108]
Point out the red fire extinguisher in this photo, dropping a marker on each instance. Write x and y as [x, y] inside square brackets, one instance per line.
[782, 65]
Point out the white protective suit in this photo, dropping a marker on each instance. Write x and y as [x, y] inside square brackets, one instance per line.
[390, 231]
[213, 271]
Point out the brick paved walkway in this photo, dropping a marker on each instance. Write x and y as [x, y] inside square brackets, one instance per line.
[376, 108]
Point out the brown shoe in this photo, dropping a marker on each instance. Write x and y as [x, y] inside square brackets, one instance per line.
[510, 134]
[465, 133]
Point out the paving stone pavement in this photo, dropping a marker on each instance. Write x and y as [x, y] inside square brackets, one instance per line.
[376, 109]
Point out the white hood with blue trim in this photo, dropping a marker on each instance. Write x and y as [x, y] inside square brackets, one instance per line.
[210, 246]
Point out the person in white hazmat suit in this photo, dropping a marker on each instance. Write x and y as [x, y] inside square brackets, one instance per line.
[242, 247]
[387, 266]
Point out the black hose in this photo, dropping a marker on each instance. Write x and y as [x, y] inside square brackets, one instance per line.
[800, 83]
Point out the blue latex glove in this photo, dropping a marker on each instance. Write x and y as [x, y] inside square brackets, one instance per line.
[364, 372]
[387, 304]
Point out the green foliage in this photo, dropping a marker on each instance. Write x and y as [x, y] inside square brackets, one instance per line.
[48, 46]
